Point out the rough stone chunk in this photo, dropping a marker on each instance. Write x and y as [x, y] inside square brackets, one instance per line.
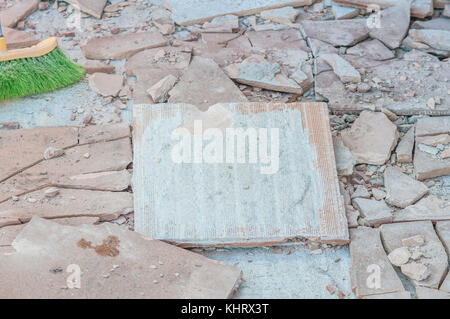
[338, 32]
[374, 212]
[394, 24]
[399, 256]
[120, 46]
[402, 190]
[281, 15]
[405, 147]
[106, 84]
[344, 158]
[343, 69]
[104, 254]
[366, 250]
[159, 91]
[434, 258]
[205, 84]
[371, 138]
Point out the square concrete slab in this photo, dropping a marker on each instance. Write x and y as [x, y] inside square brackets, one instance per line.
[205, 196]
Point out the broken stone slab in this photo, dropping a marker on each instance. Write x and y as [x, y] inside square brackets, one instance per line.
[419, 8]
[429, 208]
[308, 126]
[68, 203]
[372, 49]
[159, 91]
[402, 190]
[226, 23]
[285, 15]
[343, 69]
[120, 46]
[19, 11]
[368, 256]
[187, 13]
[430, 293]
[95, 66]
[31, 144]
[394, 295]
[147, 78]
[435, 39]
[405, 147]
[337, 32]
[373, 211]
[113, 262]
[360, 192]
[433, 126]
[205, 84]
[92, 7]
[106, 84]
[257, 71]
[281, 39]
[343, 12]
[344, 158]
[443, 231]
[394, 25]
[222, 38]
[103, 133]
[433, 24]
[434, 257]
[428, 163]
[16, 39]
[435, 140]
[371, 138]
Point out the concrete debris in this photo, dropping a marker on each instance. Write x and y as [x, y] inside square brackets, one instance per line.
[371, 138]
[92, 7]
[436, 41]
[367, 250]
[429, 270]
[95, 249]
[374, 212]
[285, 15]
[205, 84]
[106, 84]
[120, 46]
[402, 190]
[16, 39]
[343, 69]
[405, 147]
[433, 24]
[413, 241]
[344, 158]
[338, 32]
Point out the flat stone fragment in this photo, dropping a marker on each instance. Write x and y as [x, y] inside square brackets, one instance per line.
[342, 12]
[415, 271]
[344, 158]
[198, 11]
[373, 211]
[205, 84]
[393, 295]
[430, 293]
[31, 144]
[16, 39]
[433, 24]
[92, 7]
[405, 147]
[222, 24]
[429, 208]
[103, 133]
[337, 32]
[343, 69]
[433, 126]
[371, 138]
[281, 15]
[419, 8]
[443, 231]
[427, 162]
[95, 66]
[18, 12]
[394, 25]
[280, 39]
[106, 84]
[120, 46]
[402, 190]
[104, 254]
[372, 49]
[435, 39]
[257, 71]
[367, 253]
[241, 219]
[434, 256]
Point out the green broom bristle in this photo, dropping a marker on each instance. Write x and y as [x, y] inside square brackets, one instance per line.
[31, 76]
